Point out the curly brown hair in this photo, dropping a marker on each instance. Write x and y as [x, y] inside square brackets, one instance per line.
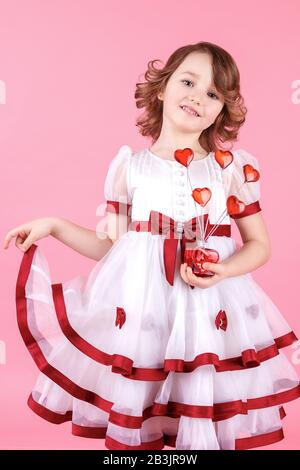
[226, 78]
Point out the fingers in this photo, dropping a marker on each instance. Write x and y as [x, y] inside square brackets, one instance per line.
[23, 240]
[184, 274]
[27, 243]
[190, 276]
[11, 234]
[194, 281]
[19, 241]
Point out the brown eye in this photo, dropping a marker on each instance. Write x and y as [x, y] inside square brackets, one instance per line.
[213, 94]
[189, 81]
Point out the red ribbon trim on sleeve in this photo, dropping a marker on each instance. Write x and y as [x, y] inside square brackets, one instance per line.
[249, 210]
[117, 207]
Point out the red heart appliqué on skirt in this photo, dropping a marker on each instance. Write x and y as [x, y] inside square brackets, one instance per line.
[221, 320]
[120, 317]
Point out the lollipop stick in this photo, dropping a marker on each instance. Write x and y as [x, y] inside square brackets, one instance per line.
[222, 216]
[217, 223]
[215, 227]
[199, 220]
[206, 223]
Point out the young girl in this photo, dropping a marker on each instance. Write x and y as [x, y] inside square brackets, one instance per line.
[147, 351]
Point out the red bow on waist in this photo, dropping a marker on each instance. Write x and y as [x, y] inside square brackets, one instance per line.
[184, 231]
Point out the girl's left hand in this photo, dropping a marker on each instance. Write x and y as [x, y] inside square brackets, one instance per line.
[189, 277]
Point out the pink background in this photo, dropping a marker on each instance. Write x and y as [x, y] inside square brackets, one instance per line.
[68, 69]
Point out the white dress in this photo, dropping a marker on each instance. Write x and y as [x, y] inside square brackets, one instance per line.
[143, 363]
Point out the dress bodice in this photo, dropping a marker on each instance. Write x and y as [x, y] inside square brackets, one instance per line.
[143, 182]
[166, 186]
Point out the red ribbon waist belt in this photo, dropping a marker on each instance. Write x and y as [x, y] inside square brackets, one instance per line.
[161, 224]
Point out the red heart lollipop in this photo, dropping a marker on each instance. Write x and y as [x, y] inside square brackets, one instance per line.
[251, 174]
[195, 257]
[234, 205]
[224, 158]
[184, 156]
[201, 195]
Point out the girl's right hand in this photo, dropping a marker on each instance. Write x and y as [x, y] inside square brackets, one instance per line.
[26, 234]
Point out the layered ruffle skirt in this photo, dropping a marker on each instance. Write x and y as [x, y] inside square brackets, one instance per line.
[141, 364]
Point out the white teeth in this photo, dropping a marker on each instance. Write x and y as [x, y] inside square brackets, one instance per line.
[189, 111]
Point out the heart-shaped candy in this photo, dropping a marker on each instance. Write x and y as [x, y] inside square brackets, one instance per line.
[234, 205]
[201, 195]
[195, 257]
[251, 174]
[184, 156]
[223, 158]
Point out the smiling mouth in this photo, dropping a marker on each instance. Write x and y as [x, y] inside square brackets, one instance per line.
[189, 111]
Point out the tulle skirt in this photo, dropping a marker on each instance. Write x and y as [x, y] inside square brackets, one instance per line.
[130, 359]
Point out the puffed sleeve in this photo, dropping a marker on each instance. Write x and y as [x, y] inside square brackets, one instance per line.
[117, 185]
[245, 182]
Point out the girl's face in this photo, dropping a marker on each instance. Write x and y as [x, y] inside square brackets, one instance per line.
[191, 85]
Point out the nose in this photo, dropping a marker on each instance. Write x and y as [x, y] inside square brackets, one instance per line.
[195, 100]
[196, 103]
